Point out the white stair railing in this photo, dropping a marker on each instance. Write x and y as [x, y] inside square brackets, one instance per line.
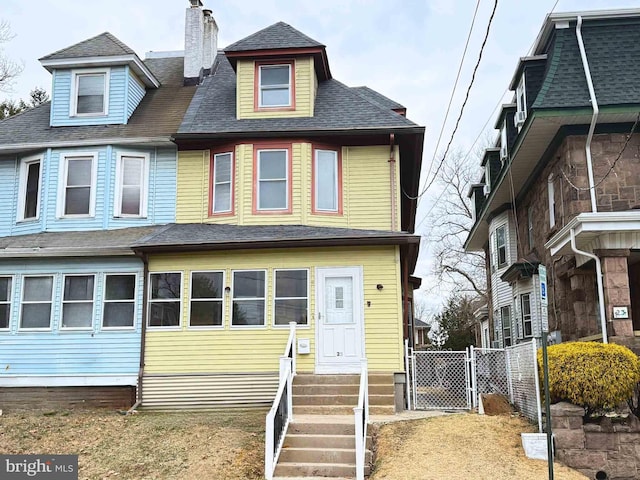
[281, 413]
[361, 416]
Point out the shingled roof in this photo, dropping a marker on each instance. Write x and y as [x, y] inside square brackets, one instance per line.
[103, 45]
[158, 115]
[613, 51]
[337, 107]
[279, 35]
[196, 235]
[378, 98]
[75, 243]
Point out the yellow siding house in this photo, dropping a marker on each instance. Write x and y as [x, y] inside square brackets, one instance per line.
[295, 203]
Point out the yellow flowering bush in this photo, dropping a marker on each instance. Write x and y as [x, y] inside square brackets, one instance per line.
[593, 375]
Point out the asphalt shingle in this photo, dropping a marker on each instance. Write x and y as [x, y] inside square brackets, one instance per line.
[276, 36]
[103, 45]
[158, 115]
[192, 234]
[337, 107]
[613, 52]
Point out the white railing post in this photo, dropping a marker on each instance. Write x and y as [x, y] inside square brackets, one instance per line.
[358, 413]
[268, 446]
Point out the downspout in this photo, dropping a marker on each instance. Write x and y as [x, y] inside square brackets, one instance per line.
[603, 320]
[594, 118]
[145, 274]
[392, 179]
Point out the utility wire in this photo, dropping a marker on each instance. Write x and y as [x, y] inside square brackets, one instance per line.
[453, 91]
[464, 103]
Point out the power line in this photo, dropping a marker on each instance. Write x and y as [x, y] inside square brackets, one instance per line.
[453, 91]
[466, 98]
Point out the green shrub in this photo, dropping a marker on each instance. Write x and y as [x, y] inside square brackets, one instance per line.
[592, 375]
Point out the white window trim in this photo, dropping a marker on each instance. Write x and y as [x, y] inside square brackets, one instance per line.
[105, 301]
[9, 301]
[509, 326]
[287, 180]
[223, 298]
[62, 183]
[165, 300]
[521, 104]
[316, 177]
[144, 190]
[266, 289]
[53, 296]
[273, 308]
[22, 189]
[506, 247]
[231, 183]
[504, 149]
[530, 295]
[93, 302]
[487, 177]
[73, 103]
[260, 87]
[551, 192]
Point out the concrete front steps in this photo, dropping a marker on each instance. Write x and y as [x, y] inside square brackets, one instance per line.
[321, 446]
[320, 443]
[338, 394]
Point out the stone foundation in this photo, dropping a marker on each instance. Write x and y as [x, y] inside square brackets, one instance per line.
[606, 446]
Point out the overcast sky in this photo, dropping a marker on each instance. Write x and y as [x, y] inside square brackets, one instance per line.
[408, 50]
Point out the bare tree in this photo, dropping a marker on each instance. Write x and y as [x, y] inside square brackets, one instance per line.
[9, 69]
[451, 219]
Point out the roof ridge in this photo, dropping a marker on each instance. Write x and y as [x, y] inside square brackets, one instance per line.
[370, 100]
[269, 27]
[127, 50]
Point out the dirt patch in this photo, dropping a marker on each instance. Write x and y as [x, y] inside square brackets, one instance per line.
[460, 447]
[495, 404]
[207, 445]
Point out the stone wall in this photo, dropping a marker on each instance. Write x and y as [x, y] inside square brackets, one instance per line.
[606, 446]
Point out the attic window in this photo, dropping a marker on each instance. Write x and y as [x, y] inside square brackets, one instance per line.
[274, 85]
[90, 93]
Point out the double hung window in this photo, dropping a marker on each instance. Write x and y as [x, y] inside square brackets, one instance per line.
[119, 301]
[249, 293]
[165, 299]
[274, 89]
[206, 308]
[291, 299]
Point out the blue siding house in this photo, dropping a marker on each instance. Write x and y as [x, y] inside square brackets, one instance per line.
[82, 178]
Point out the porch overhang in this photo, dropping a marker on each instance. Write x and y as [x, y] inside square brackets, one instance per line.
[601, 230]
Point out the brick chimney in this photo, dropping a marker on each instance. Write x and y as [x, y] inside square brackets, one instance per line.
[200, 43]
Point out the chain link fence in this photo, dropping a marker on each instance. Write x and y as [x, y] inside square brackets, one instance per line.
[441, 380]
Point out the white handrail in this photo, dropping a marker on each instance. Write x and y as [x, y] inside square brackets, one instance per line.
[287, 370]
[361, 417]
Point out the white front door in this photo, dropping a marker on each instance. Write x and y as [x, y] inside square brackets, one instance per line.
[340, 321]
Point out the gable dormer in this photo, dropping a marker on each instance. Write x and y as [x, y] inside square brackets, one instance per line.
[277, 72]
[492, 166]
[526, 83]
[99, 81]
[508, 131]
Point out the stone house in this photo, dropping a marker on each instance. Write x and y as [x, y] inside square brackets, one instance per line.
[561, 187]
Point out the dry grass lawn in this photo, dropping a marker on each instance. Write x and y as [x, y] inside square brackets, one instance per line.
[229, 445]
[199, 446]
[460, 447]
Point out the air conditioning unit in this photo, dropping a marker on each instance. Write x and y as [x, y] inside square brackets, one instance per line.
[519, 118]
[503, 153]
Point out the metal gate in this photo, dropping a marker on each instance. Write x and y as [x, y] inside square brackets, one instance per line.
[439, 380]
